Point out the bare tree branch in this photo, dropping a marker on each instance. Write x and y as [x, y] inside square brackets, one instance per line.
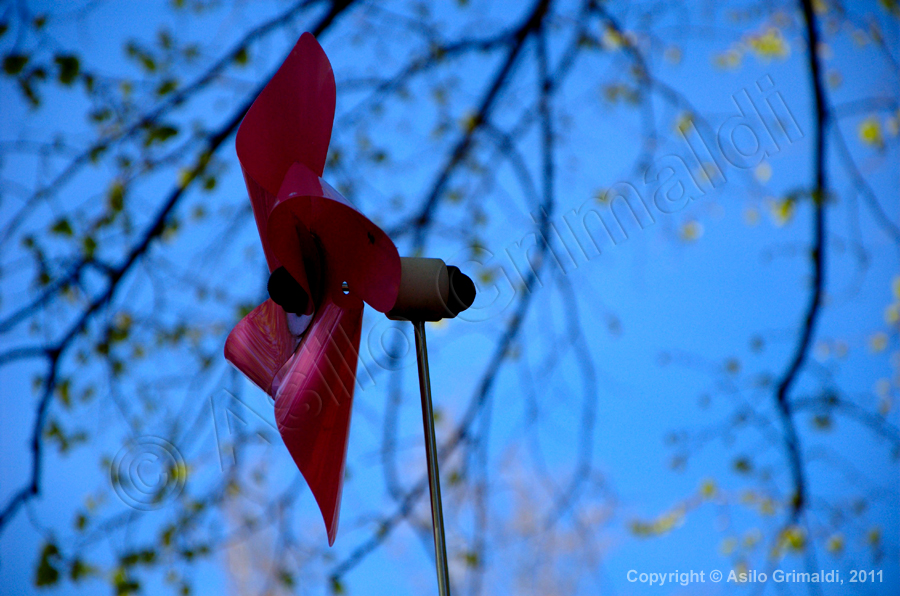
[791, 438]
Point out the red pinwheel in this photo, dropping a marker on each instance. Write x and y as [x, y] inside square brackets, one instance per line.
[325, 258]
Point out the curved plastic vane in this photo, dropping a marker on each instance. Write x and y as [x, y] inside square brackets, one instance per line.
[327, 259]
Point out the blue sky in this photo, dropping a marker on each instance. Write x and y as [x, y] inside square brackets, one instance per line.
[662, 315]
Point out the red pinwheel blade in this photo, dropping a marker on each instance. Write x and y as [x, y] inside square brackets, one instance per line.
[314, 401]
[291, 119]
[260, 344]
[289, 122]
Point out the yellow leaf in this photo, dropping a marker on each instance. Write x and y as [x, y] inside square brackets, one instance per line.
[782, 211]
[878, 342]
[728, 546]
[763, 172]
[185, 175]
[793, 537]
[729, 59]
[892, 313]
[835, 543]
[752, 538]
[770, 44]
[708, 171]
[691, 231]
[751, 216]
[486, 276]
[870, 132]
[684, 123]
[612, 39]
[469, 122]
[874, 536]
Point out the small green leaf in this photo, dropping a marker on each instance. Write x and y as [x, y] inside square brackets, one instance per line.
[69, 68]
[125, 586]
[14, 63]
[97, 152]
[47, 571]
[167, 87]
[89, 245]
[743, 465]
[116, 196]
[286, 578]
[62, 227]
[159, 134]
[241, 57]
[472, 559]
[80, 569]
[100, 115]
[336, 586]
[822, 422]
[144, 557]
[63, 388]
[164, 38]
[148, 63]
[133, 50]
[167, 534]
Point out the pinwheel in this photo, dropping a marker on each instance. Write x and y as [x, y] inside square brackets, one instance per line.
[326, 260]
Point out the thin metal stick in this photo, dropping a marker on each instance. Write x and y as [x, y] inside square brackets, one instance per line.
[434, 478]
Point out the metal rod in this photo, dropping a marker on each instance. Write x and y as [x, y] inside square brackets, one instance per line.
[434, 478]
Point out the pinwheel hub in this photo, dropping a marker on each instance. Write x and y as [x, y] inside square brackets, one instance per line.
[287, 292]
[430, 291]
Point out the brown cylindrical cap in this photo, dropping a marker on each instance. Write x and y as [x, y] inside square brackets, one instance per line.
[431, 291]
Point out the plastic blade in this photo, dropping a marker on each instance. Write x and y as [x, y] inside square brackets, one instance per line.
[314, 401]
[291, 119]
[260, 343]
